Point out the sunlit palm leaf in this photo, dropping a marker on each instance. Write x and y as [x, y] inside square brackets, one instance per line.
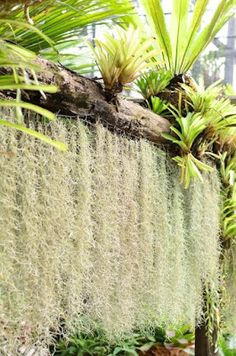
[183, 41]
[224, 11]
[62, 20]
[179, 23]
[156, 18]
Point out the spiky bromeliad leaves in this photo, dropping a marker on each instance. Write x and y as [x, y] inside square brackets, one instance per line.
[218, 112]
[153, 82]
[209, 127]
[189, 128]
[121, 57]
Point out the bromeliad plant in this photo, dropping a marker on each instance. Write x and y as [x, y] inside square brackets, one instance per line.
[121, 57]
[185, 135]
[208, 127]
[153, 82]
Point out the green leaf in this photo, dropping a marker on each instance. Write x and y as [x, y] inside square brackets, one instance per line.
[59, 145]
[179, 24]
[156, 18]
[13, 103]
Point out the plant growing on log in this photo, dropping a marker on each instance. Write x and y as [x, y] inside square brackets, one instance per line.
[153, 82]
[209, 125]
[126, 201]
[121, 57]
[157, 105]
[202, 99]
[218, 112]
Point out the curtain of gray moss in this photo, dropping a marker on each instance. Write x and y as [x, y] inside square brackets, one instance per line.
[100, 236]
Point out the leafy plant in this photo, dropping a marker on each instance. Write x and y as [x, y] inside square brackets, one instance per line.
[121, 57]
[182, 337]
[182, 42]
[81, 344]
[202, 100]
[224, 347]
[189, 129]
[153, 82]
[222, 122]
[64, 22]
[97, 344]
[157, 105]
[219, 114]
[228, 211]
[20, 63]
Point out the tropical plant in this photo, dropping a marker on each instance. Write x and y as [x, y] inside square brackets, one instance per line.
[157, 105]
[221, 122]
[82, 344]
[64, 22]
[228, 211]
[20, 74]
[189, 129]
[122, 56]
[202, 100]
[153, 82]
[225, 349]
[183, 41]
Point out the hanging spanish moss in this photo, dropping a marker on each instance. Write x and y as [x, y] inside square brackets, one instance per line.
[101, 236]
[230, 289]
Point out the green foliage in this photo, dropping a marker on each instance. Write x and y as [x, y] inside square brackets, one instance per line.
[153, 82]
[219, 114]
[64, 22]
[82, 344]
[202, 100]
[189, 129]
[182, 42]
[121, 57]
[97, 344]
[224, 347]
[228, 211]
[21, 63]
[157, 105]
[209, 124]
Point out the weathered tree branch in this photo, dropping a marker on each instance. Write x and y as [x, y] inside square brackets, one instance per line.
[82, 97]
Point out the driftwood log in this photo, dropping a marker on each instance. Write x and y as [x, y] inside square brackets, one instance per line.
[84, 98]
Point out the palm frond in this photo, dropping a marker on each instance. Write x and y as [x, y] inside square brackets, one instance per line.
[63, 21]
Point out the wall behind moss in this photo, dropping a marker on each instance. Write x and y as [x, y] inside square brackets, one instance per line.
[101, 235]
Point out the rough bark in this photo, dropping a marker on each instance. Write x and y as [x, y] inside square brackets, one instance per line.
[203, 347]
[82, 97]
